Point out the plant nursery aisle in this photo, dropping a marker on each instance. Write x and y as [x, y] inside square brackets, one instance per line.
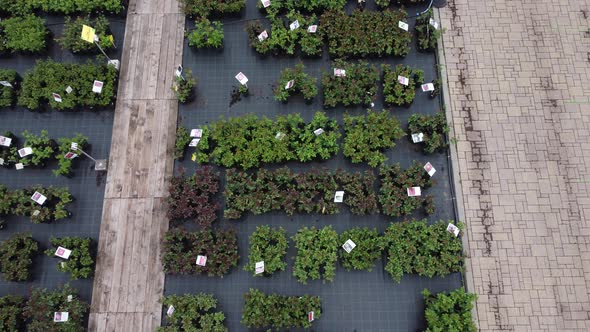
[129, 278]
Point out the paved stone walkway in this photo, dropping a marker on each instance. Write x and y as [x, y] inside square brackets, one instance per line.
[518, 76]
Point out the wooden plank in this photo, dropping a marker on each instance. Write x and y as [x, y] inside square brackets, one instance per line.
[116, 269]
[111, 323]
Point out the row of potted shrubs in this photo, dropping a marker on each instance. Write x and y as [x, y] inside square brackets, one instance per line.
[19, 203]
[62, 7]
[411, 247]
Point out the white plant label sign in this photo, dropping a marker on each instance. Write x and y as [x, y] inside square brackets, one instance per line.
[198, 133]
[429, 169]
[25, 151]
[453, 229]
[339, 197]
[74, 146]
[194, 142]
[242, 78]
[289, 84]
[69, 89]
[6, 84]
[348, 245]
[294, 25]
[70, 155]
[19, 166]
[318, 131]
[427, 87]
[262, 36]
[56, 97]
[1, 161]
[63, 252]
[339, 72]
[265, 3]
[417, 138]
[178, 71]
[201, 260]
[259, 267]
[280, 136]
[70, 298]
[403, 80]
[433, 23]
[38, 198]
[97, 86]
[60, 317]
[170, 311]
[310, 316]
[5, 141]
[312, 28]
[414, 191]
[403, 25]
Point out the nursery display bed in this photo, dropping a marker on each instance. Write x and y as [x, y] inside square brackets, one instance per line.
[355, 300]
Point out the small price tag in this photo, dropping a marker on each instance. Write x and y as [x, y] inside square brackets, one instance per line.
[339, 72]
[60, 317]
[280, 136]
[198, 133]
[170, 311]
[348, 245]
[62, 252]
[427, 87]
[318, 131]
[178, 71]
[6, 84]
[263, 35]
[25, 151]
[194, 142]
[5, 141]
[403, 25]
[18, 166]
[403, 80]
[417, 138]
[339, 197]
[70, 155]
[312, 28]
[414, 191]
[433, 23]
[56, 97]
[265, 3]
[259, 267]
[289, 84]
[97, 86]
[310, 316]
[38, 198]
[242, 78]
[453, 229]
[69, 89]
[294, 25]
[201, 260]
[429, 169]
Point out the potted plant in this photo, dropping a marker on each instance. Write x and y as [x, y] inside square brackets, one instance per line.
[183, 87]
[8, 94]
[449, 311]
[393, 194]
[399, 94]
[80, 264]
[183, 139]
[25, 34]
[73, 29]
[427, 35]
[11, 313]
[294, 80]
[269, 246]
[365, 252]
[356, 87]
[434, 129]
[316, 254]
[16, 257]
[43, 303]
[279, 312]
[43, 149]
[192, 312]
[207, 34]
[65, 146]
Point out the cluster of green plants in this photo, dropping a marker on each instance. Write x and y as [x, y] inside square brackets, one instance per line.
[270, 246]
[317, 253]
[208, 8]
[309, 192]
[16, 257]
[183, 138]
[356, 88]
[80, 264]
[43, 303]
[207, 34]
[366, 251]
[26, 34]
[183, 87]
[48, 77]
[73, 29]
[386, 3]
[282, 40]
[247, 141]
[193, 312]
[19, 203]
[393, 194]
[11, 313]
[65, 146]
[302, 83]
[193, 197]
[449, 312]
[367, 136]
[278, 6]
[396, 93]
[181, 248]
[65, 7]
[416, 247]
[434, 128]
[365, 33]
[279, 312]
[8, 94]
[426, 35]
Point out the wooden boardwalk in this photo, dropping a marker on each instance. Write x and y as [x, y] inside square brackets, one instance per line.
[129, 280]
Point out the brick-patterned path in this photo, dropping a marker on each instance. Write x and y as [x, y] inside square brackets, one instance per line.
[519, 83]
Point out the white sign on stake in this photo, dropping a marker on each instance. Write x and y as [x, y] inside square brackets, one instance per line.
[70, 155]
[310, 316]
[25, 151]
[403, 25]
[38, 198]
[198, 133]
[427, 87]
[348, 245]
[36, 213]
[289, 84]
[453, 229]
[170, 310]
[242, 78]
[1, 161]
[294, 25]
[259, 267]
[339, 197]
[194, 142]
[417, 138]
[6, 83]
[19, 166]
[265, 3]
[97, 86]
[60, 317]
[318, 131]
[263, 35]
[312, 28]
[178, 71]
[280, 136]
[74, 146]
[69, 89]
[433, 23]
[62, 252]
[429, 169]
[403, 80]
[201, 260]
[56, 97]
[414, 191]
[5, 141]
[339, 72]
[70, 298]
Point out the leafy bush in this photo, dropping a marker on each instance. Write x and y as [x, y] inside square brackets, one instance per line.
[6, 201]
[303, 83]
[268, 245]
[64, 7]
[248, 141]
[53, 209]
[416, 247]
[368, 135]
[10, 154]
[393, 194]
[73, 29]
[277, 6]
[365, 33]
[11, 313]
[449, 312]
[385, 3]
[357, 88]
[183, 139]
[65, 146]
[16, 257]
[181, 248]
[80, 264]
[206, 34]
[43, 149]
[310, 192]
[206, 8]
[8, 94]
[43, 303]
[396, 93]
[193, 197]
[316, 254]
[193, 312]
[27, 34]
[366, 252]
[183, 87]
[426, 34]
[49, 77]
[279, 312]
[434, 128]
